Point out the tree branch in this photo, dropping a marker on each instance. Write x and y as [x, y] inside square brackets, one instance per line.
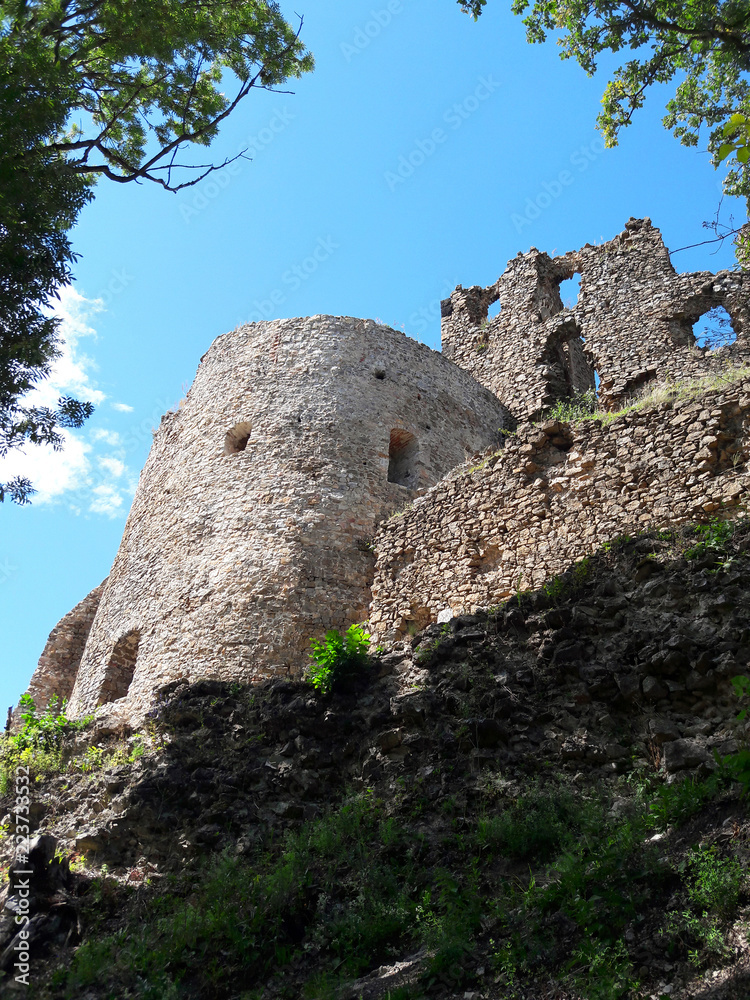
[725, 36]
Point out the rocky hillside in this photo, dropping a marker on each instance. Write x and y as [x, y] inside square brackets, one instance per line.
[527, 802]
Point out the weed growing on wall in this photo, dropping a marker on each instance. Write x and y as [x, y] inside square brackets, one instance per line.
[39, 743]
[428, 649]
[712, 537]
[584, 406]
[581, 406]
[43, 745]
[337, 657]
[567, 583]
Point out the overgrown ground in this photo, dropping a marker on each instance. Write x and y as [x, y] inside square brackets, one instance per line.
[529, 802]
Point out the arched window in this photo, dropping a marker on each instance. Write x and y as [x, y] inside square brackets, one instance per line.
[402, 458]
[120, 669]
[237, 438]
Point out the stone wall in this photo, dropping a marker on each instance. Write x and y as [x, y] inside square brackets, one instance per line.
[555, 493]
[253, 522]
[252, 525]
[58, 664]
[632, 323]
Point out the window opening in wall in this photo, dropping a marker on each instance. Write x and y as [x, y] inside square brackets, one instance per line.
[577, 373]
[237, 438]
[402, 458]
[120, 669]
[714, 329]
[494, 310]
[569, 291]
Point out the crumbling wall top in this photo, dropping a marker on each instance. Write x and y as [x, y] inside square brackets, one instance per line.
[632, 323]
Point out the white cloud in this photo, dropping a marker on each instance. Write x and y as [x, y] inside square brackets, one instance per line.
[79, 475]
[107, 500]
[71, 372]
[51, 472]
[101, 434]
[112, 465]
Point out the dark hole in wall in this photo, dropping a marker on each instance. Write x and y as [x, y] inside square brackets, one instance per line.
[120, 669]
[402, 458]
[569, 290]
[714, 329]
[237, 438]
[579, 375]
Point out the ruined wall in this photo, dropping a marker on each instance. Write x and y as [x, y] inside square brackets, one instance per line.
[251, 527]
[632, 323]
[556, 493]
[58, 664]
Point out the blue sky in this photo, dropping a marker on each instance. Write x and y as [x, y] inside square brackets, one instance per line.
[424, 151]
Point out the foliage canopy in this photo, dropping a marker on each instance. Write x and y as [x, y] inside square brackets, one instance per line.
[114, 89]
[135, 82]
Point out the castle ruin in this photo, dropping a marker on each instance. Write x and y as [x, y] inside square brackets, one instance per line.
[265, 512]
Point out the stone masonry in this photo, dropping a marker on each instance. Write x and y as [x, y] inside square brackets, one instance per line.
[255, 522]
[252, 525]
[555, 493]
[59, 662]
[632, 323]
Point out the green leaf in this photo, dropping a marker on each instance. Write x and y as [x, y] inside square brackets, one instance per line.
[743, 154]
[725, 149]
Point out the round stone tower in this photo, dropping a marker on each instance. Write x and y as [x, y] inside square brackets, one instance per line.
[250, 530]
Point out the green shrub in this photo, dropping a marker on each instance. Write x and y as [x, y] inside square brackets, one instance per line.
[38, 745]
[321, 890]
[712, 887]
[338, 657]
[713, 537]
[536, 826]
[714, 884]
[737, 765]
[47, 727]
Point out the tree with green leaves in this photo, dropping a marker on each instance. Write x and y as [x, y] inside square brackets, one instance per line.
[473, 7]
[702, 46]
[39, 202]
[104, 88]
